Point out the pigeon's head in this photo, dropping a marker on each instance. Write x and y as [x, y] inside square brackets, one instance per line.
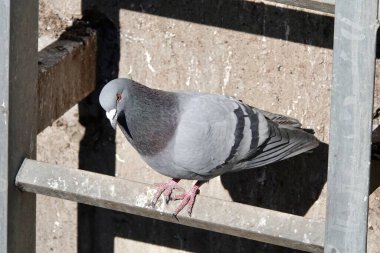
[113, 98]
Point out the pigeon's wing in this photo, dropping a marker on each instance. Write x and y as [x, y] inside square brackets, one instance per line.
[218, 134]
[280, 119]
[215, 130]
[283, 142]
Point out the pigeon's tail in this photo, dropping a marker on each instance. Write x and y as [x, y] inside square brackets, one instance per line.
[283, 142]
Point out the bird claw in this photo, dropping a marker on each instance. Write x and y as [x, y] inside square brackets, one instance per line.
[179, 196]
[165, 189]
[167, 198]
[179, 188]
[154, 201]
[175, 216]
[156, 197]
[188, 198]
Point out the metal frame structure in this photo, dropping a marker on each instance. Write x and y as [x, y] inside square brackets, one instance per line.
[356, 26]
[349, 155]
[18, 129]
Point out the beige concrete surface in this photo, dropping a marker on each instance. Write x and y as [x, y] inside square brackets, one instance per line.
[275, 58]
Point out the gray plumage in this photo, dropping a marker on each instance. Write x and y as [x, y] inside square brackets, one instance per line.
[198, 136]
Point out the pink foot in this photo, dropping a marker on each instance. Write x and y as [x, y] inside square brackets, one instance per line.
[165, 189]
[188, 198]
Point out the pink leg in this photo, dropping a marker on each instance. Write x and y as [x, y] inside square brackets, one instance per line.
[165, 189]
[188, 198]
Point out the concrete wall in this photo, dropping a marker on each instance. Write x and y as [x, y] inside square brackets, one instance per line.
[276, 58]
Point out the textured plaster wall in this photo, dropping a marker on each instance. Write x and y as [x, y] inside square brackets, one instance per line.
[274, 74]
[278, 59]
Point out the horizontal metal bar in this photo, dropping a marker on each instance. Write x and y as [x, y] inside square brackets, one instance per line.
[326, 6]
[133, 197]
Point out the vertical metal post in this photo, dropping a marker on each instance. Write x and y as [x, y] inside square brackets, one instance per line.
[18, 97]
[351, 124]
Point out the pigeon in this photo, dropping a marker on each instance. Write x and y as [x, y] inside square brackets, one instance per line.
[198, 136]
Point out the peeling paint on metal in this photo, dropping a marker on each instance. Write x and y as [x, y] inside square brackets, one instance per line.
[305, 239]
[63, 183]
[143, 199]
[85, 182]
[262, 222]
[112, 190]
[53, 183]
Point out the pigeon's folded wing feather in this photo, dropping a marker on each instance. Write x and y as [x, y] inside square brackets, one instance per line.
[216, 136]
[214, 131]
[283, 142]
[280, 119]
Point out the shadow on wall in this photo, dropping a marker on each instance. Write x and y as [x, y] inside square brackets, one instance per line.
[289, 186]
[243, 16]
[97, 148]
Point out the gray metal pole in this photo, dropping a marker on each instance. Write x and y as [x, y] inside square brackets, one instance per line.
[18, 96]
[351, 124]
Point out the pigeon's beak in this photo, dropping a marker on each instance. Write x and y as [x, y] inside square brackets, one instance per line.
[111, 115]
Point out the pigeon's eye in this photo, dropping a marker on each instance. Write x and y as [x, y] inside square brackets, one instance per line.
[118, 97]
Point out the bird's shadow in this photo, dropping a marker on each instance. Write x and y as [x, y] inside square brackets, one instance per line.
[291, 186]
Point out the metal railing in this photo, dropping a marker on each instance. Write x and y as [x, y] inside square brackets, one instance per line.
[349, 156]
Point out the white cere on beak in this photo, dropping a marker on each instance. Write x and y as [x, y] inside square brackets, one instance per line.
[111, 115]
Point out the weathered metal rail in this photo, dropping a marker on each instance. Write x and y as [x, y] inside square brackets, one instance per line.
[356, 25]
[209, 213]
